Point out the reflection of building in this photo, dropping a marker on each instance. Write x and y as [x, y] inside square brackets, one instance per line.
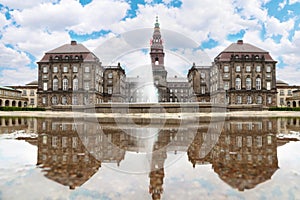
[12, 97]
[62, 156]
[245, 154]
[285, 95]
[29, 91]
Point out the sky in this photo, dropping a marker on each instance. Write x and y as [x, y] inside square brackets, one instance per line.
[30, 28]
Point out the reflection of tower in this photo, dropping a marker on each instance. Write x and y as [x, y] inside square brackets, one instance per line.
[157, 173]
[157, 60]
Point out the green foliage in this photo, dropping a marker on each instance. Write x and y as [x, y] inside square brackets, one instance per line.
[5, 108]
[284, 109]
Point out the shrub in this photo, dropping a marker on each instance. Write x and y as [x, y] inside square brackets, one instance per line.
[5, 108]
[284, 109]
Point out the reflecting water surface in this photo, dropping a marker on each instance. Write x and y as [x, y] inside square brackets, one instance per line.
[239, 158]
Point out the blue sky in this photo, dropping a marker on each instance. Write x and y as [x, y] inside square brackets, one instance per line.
[30, 28]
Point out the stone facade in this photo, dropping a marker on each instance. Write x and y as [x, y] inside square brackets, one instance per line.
[69, 75]
[12, 97]
[244, 74]
[199, 81]
[286, 96]
[29, 91]
[114, 84]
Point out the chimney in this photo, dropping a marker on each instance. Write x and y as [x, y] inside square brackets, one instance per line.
[73, 42]
[240, 42]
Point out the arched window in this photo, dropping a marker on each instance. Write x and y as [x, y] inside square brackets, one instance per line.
[64, 100]
[55, 84]
[259, 100]
[65, 84]
[238, 83]
[258, 83]
[248, 83]
[54, 100]
[75, 84]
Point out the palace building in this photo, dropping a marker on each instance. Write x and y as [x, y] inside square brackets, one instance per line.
[242, 74]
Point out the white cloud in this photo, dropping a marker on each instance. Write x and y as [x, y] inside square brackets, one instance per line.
[18, 76]
[293, 1]
[16, 4]
[35, 42]
[11, 58]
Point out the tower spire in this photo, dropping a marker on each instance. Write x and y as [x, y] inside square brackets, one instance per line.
[157, 49]
[157, 23]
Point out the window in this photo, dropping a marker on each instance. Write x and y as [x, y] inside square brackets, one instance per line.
[258, 83]
[248, 83]
[109, 81]
[55, 84]
[202, 90]
[248, 68]
[86, 85]
[238, 83]
[65, 69]
[45, 86]
[202, 75]
[268, 69]
[226, 68]
[24, 93]
[226, 75]
[74, 100]
[259, 100]
[86, 69]
[281, 101]
[226, 85]
[75, 84]
[110, 75]
[55, 69]
[65, 84]
[290, 93]
[31, 92]
[249, 100]
[109, 90]
[75, 69]
[44, 100]
[249, 140]
[45, 69]
[258, 68]
[238, 68]
[269, 100]
[31, 101]
[64, 100]
[238, 99]
[54, 100]
[268, 85]
[281, 92]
